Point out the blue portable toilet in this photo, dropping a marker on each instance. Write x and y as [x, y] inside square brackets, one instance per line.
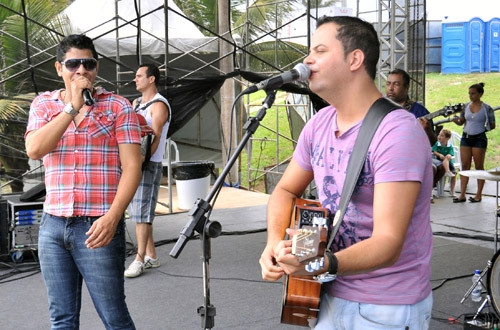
[492, 48]
[476, 45]
[454, 47]
[462, 49]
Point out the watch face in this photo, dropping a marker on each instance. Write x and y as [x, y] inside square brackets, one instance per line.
[325, 277]
[68, 108]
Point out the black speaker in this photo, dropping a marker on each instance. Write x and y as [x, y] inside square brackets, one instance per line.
[4, 227]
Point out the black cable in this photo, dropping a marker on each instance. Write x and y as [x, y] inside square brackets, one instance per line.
[138, 35]
[476, 237]
[262, 145]
[17, 269]
[224, 233]
[26, 42]
[443, 281]
[2, 281]
[218, 278]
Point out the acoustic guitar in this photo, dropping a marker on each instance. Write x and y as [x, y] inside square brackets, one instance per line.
[301, 294]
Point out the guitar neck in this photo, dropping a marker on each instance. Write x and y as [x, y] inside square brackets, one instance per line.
[432, 115]
[446, 111]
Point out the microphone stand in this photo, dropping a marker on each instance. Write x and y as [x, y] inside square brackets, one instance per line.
[211, 229]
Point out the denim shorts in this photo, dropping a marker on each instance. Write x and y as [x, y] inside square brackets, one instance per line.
[438, 162]
[474, 141]
[340, 314]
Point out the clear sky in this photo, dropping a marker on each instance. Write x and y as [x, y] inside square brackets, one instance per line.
[462, 10]
[448, 10]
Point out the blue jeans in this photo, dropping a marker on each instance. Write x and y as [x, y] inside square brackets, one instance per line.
[340, 314]
[66, 262]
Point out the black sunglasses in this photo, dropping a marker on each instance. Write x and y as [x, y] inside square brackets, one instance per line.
[73, 64]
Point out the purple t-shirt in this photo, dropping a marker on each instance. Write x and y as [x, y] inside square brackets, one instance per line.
[399, 151]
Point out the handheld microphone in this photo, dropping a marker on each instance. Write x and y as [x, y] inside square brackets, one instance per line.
[300, 72]
[87, 97]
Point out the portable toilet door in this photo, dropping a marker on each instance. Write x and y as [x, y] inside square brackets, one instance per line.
[492, 49]
[454, 47]
[476, 45]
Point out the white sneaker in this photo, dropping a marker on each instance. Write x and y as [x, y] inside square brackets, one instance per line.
[135, 269]
[151, 263]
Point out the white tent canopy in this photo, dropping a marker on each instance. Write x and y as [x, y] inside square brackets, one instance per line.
[98, 19]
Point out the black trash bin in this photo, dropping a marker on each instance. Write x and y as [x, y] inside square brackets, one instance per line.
[192, 179]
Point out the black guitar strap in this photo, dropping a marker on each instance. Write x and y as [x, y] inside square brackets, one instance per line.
[146, 144]
[375, 114]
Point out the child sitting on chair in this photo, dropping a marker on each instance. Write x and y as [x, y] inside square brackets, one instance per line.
[443, 153]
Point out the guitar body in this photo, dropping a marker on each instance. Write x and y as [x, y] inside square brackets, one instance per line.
[301, 297]
[301, 294]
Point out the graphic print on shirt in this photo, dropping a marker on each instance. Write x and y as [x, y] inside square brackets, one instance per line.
[348, 234]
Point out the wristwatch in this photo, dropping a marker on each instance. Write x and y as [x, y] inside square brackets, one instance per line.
[331, 274]
[68, 108]
[325, 277]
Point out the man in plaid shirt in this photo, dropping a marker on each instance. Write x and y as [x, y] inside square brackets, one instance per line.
[91, 154]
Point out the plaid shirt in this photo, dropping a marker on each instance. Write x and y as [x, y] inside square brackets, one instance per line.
[83, 171]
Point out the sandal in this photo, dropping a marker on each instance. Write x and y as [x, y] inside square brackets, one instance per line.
[459, 200]
[473, 200]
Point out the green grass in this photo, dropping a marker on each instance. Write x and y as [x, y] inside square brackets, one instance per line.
[265, 142]
[448, 89]
[441, 90]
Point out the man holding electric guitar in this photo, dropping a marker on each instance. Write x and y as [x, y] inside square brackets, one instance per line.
[396, 88]
[376, 273]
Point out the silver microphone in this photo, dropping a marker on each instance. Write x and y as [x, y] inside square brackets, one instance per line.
[300, 73]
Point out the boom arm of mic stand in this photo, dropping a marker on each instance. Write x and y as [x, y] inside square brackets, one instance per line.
[201, 207]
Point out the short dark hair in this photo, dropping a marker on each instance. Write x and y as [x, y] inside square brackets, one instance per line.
[446, 132]
[478, 87]
[355, 33]
[152, 70]
[79, 41]
[406, 76]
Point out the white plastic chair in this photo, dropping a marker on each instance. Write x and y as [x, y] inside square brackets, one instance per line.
[166, 155]
[166, 161]
[455, 142]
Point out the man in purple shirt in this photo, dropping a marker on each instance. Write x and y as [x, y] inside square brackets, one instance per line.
[379, 268]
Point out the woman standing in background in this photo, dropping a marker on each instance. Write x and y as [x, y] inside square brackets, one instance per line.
[478, 118]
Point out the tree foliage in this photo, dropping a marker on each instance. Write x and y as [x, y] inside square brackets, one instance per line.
[27, 27]
[256, 24]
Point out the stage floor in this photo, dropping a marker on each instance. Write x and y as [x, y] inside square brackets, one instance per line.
[168, 297]
[228, 198]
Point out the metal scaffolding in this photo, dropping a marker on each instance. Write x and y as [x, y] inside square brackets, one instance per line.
[401, 28]
[269, 48]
